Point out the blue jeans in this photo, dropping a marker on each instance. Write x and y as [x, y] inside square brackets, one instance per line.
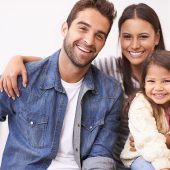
[141, 164]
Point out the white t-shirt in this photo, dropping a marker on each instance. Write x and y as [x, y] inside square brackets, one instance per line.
[65, 157]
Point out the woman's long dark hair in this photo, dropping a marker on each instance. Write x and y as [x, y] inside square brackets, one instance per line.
[146, 13]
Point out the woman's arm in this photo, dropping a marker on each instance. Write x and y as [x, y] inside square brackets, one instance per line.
[168, 140]
[14, 68]
[26, 59]
[132, 144]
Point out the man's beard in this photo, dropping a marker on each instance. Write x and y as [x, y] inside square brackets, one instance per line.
[72, 55]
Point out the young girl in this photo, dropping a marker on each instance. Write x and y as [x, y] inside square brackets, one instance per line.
[149, 117]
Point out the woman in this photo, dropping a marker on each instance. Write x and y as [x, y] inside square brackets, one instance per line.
[140, 33]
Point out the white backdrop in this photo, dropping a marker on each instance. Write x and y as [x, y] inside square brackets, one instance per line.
[32, 27]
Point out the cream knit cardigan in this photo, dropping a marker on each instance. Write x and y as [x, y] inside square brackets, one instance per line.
[149, 143]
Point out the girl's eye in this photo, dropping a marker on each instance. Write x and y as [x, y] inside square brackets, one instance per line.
[149, 81]
[167, 81]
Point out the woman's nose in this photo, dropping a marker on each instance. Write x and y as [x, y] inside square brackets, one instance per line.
[135, 44]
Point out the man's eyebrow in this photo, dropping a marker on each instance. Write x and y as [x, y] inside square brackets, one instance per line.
[86, 24]
[83, 23]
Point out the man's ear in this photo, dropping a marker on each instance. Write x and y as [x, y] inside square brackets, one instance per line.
[64, 29]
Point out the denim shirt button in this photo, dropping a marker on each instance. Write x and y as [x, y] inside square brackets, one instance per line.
[31, 122]
[78, 125]
[76, 150]
[91, 127]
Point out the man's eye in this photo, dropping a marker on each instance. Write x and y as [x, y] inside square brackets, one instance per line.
[100, 37]
[83, 28]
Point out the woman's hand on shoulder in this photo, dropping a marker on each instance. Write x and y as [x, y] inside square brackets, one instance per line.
[8, 81]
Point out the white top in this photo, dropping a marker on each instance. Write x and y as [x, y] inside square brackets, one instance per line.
[109, 66]
[65, 157]
[149, 143]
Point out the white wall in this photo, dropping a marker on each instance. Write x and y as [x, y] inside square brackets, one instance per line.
[32, 27]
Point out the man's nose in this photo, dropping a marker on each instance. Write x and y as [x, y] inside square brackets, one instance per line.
[89, 39]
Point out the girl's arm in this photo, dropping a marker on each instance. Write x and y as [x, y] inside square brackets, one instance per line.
[14, 68]
[149, 143]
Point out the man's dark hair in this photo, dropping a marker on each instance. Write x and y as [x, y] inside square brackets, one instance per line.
[105, 7]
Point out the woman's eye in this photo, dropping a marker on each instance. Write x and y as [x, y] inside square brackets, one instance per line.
[143, 37]
[127, 36]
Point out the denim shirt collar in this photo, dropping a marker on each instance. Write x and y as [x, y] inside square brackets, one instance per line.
[52, 78]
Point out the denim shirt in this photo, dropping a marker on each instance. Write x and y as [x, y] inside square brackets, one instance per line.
[36, 117]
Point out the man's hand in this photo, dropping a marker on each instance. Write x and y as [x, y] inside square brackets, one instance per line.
[8, 81]
[132, 144]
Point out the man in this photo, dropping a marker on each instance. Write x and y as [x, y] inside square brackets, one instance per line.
[68, 115]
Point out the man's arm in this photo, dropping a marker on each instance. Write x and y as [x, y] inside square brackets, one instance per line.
[6, 106]
[101, 154]
[99, 163]
[14, 68]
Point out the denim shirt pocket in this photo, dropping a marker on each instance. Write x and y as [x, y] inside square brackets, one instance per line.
[89, 133]
[33, 126]
[90, 126]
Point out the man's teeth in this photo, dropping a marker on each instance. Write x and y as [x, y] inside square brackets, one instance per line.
[83, 49]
